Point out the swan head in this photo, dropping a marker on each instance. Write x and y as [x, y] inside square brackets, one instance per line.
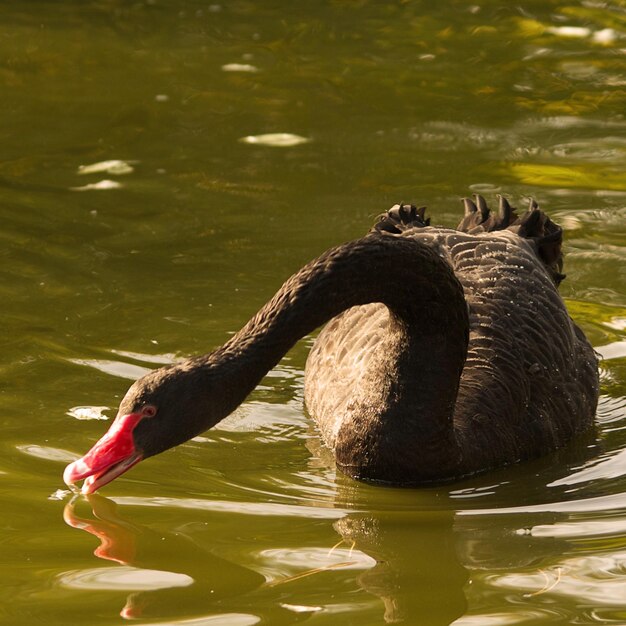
[160, 410]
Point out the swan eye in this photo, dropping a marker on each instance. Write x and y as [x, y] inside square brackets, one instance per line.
[148, 410]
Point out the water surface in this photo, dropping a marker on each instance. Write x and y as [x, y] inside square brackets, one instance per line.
[164, 167]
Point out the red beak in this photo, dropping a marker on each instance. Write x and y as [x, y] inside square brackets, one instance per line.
[113, 455]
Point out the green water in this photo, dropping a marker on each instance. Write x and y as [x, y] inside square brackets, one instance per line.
[398, 101]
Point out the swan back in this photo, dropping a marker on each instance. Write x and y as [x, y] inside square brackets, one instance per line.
[529, 382]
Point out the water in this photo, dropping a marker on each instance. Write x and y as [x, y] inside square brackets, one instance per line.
[114, 270]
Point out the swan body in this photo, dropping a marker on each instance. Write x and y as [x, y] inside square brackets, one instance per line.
[447, 352]
[528, 384]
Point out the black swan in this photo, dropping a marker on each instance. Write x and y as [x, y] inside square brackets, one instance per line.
[447, 352]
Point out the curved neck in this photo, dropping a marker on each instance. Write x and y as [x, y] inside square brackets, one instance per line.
[415, 283]
[428, 314]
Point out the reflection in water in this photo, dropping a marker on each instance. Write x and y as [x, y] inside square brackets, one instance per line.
[413, 558]
[117, 537]
[561, 567]
[417, 575]
[407, 560]
[170, 571]
[410, 565]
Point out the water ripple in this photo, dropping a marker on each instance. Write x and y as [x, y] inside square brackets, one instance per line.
[598, 580]
[242, 508]
[122, 577]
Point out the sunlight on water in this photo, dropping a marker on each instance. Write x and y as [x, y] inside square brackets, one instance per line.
[112, 166]
[581, 528]
[242, 508]
[612, 466]
[122, 577]
[47, 453]
[88, 412]
[102, 185]
[115, 368]
[601, 503]
[232, 619]
[521, 616]
[277, 140]
[596, 580]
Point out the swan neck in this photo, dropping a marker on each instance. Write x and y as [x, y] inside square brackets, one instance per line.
[427, 308]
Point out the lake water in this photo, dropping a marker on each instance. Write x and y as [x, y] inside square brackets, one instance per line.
[246, 138]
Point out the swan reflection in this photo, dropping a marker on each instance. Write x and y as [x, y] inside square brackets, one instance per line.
[407, 561]
[166, 571]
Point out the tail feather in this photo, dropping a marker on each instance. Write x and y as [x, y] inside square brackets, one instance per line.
[534, 225]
